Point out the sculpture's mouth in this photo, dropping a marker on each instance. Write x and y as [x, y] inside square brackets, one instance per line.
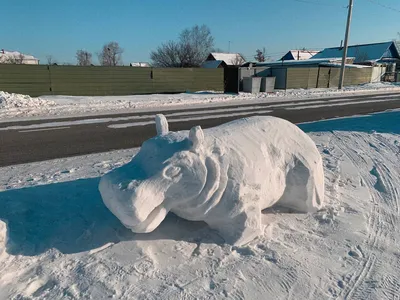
[151, 222]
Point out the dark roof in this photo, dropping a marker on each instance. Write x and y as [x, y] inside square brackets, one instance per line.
[367, 52]
[213, 64]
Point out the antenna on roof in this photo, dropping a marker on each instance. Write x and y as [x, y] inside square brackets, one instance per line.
[341, 44]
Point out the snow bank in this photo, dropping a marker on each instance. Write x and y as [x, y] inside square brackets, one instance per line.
[224, 176]
[3, 236]
[14, 101]
[22, 106]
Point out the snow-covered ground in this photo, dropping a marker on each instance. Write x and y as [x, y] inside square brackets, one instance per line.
[63, 243]
[21, 106]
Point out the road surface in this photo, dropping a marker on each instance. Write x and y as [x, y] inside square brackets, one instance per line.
[29, 141]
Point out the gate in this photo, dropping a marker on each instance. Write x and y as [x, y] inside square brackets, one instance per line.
[231, 80]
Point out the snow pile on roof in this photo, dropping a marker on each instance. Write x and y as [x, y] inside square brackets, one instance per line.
[192, 175]
[3, 236]
[303, 54]
[231, 59]
[15, 101]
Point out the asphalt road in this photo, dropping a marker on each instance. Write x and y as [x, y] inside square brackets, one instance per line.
[29, 141]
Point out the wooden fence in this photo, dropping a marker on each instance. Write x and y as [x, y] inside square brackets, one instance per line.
[36, 80]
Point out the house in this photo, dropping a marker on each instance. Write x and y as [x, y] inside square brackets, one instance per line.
[15, 57]
[140, 64]
[213, 64]
[299, 55]
[230, 59]
[377, 53]
[306, 63]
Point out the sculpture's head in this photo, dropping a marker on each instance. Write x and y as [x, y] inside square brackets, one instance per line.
[168, 171]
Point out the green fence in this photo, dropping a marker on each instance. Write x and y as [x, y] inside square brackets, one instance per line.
[36, 80]
[325, 77]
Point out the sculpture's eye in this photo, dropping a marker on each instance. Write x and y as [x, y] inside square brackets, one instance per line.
[171, 172]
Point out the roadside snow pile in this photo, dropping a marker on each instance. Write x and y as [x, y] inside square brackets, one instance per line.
[15, 101]
[224, 176]
[3, 236]
[20, 106]
[65, 244]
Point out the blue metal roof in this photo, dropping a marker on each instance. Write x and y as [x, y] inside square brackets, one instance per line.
[366, 52]
[211, 64]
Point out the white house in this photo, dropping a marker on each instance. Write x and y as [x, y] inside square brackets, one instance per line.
[140, 64]
[15, 57]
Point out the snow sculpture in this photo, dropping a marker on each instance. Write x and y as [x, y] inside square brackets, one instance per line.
[223, 176]
[3, 236]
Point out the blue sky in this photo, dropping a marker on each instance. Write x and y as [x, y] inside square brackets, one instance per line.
[59, 28]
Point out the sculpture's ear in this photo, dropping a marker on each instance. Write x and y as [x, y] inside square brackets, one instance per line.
[196, 136]
[161, 124]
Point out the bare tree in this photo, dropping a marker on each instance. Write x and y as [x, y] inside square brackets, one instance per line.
[111, 54]
[50, 60]
[238, 60]
[260, 55]
[8, 60]
[84, 58]
[167, 55]
[190, 50]
[16, 59]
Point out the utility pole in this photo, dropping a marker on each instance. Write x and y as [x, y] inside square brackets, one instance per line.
[346, 43]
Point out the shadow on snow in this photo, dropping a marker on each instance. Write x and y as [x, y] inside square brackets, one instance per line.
[385, 122]
[71, 217]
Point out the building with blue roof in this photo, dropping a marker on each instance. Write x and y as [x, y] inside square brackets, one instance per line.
[387, 52]
[213, 64]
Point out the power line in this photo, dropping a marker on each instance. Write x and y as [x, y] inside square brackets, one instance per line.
[385, 6]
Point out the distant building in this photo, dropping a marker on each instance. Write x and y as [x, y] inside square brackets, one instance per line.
[213, 64]
[305, 63]
[387, 52]
[299, 55]
[140, 64]
[230, 59]
[15, 57]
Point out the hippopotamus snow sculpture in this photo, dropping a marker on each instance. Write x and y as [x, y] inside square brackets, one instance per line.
[223, 176]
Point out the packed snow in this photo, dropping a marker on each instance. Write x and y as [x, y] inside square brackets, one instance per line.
[63, 243]
[224, 176]
[3, 237]
[13, 106]
[13, 102]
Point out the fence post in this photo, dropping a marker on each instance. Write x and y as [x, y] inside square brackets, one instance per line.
[329, 77]
[319, 68]
[286, 78]
[50, 81]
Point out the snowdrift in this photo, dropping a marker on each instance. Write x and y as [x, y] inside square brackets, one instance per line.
[223, 176]
[15, 101]
[3, 236]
